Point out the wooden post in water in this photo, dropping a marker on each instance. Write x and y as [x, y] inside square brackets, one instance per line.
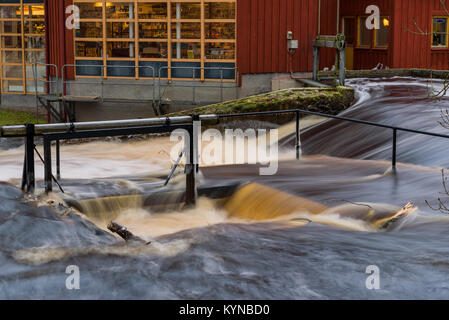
[393, 162]
[298, 138]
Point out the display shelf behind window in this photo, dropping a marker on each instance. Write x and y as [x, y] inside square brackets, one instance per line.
[135, 30]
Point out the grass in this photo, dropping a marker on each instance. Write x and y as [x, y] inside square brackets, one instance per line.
[9, 117]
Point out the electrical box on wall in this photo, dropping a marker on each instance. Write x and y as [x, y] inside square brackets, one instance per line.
[292, 44]
[289, 35]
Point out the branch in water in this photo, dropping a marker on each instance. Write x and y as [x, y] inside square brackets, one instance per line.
[442, 207]
[124, 233]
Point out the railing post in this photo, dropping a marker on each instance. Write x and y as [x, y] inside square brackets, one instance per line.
[298, 138]
[58, 160]
[47, 166]
[395, 134]
[236, 70]
[221, 85]
[193, 85]
[190, 169]
[28, 178]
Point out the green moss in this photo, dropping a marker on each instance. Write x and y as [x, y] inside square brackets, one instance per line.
[328, 100]
[9, 117]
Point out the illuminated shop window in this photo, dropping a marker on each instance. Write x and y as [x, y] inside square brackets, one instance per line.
[155, 33]
[156, 10]
[381, 34]
[89, 49]
[217, 10]
[153, 30]
[185, 10]
[90, 10]
[220, 51]
[156, 50]
[22, 43]
[90, 30]
[439, 32]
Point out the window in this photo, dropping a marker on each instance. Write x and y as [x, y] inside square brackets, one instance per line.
[381, 34]
[348, 29]
[22, 43]
[159, 34]
[364, 34]
[439, 32]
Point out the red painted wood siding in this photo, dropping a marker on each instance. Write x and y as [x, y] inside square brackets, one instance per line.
[411, 50]
[328, 26]
[262, 27]
[59, 39]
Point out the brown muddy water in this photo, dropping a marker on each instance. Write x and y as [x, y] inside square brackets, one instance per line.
[308, 232]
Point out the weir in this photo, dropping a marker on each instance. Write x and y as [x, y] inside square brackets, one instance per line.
[69, 131]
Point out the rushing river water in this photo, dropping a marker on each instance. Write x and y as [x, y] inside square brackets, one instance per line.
[206, 253]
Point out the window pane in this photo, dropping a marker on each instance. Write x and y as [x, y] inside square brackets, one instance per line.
[156, 10]
[186, 10]
[349, 30]
[186, 50]
[11, 42]
[34, 27]
[119, 10]
[90, 30]
[34, 12]
[439, 38]
[120, 50]
[12, 71]
[32, 72]
[35, 57]
[90, 10]
[13, 85]
[35, 87]
[219, 10]
[186, 30]
[382, 34]
[12, 12]
[120, 30]
[12, 56]
[89, 49]
[364, 33]
[153, 50]
[153, 30]
[220, 51]
[34, 42]
[11, 27]
[220, 30]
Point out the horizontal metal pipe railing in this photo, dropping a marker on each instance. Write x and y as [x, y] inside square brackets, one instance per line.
[369, 123]
[20, 130]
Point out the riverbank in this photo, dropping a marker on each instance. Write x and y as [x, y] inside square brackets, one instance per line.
[12, 117]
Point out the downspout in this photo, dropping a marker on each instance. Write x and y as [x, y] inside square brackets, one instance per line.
[47, 51]
[338, 16]
[63, 34]
[319, 17]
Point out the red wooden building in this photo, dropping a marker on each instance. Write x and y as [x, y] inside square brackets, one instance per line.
[247, 34]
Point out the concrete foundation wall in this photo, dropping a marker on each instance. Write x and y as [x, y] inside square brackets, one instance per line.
[175, 96]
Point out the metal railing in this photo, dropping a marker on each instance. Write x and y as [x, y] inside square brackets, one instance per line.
[192, 82]
[52, 85]
[63, 131]
[103, 76]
